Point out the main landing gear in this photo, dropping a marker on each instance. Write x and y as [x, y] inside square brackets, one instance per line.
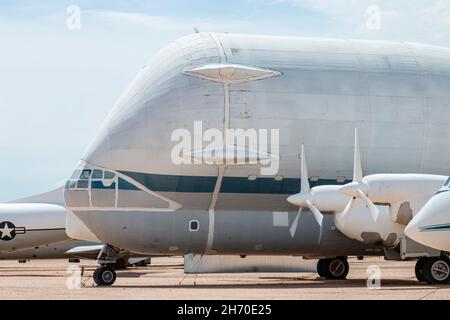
[433, 270]
[333, 269]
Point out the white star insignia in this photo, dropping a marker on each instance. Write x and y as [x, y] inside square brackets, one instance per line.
[6, 231]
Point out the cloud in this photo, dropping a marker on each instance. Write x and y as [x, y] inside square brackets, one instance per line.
[419, 20]
[168, 23]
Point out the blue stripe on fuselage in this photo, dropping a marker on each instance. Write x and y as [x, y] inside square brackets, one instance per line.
[100, 186]
[125, 185]
[192, 184]
[439, 227]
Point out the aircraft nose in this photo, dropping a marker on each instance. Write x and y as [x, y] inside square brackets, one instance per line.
[431, 226]
[412, 231]
[424, 234]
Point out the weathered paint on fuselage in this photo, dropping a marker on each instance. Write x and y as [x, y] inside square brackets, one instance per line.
[395, 93]
[29, 225]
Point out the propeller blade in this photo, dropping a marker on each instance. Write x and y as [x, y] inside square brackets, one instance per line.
[370, 205]
[347, 209]
[317, 214]
[357, 167]
[294, 226]
[304, 186]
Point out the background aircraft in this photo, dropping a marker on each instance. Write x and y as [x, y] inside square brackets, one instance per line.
[432, 225]
[37, 230]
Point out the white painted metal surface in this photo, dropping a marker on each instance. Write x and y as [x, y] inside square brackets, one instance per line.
[396, 93]
[229, 264]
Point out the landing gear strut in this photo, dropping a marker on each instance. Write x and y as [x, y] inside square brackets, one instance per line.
[120, 264]
[334, 268]
[105, 275]
[433, 270]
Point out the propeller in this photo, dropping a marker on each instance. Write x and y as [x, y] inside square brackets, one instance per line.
[304, 199]
[358, 188]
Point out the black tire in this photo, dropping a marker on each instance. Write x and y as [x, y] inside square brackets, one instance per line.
[97, 278]
[322, 268]
[437, 270]
[104, 276]
[333, 269]
[419, 270]
[338, 268]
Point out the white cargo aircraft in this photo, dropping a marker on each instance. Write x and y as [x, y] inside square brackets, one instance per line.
[165, 177]
[431, 226]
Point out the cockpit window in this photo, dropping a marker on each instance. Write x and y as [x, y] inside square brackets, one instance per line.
[109, 175]
[75, 174]
[85, 174]
[82, 184]
[97, 174]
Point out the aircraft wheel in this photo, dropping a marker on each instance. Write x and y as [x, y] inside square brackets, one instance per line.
[104, 276]
[419, 269]
[321, 268]
[437, 270]
[333, 269]
[96, 277]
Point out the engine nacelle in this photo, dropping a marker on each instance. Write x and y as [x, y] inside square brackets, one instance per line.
[394, 188]
[329, 199]
[357, 224]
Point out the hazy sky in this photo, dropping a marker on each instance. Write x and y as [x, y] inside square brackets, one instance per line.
[57, 85]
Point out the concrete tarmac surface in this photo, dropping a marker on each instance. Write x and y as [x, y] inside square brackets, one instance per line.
[165, 279]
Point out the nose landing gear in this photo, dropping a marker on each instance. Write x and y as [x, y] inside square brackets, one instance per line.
[104, 276]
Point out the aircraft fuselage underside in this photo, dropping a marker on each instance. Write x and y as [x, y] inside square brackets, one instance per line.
[234, 233]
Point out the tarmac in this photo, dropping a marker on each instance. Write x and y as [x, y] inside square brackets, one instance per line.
[165, 279]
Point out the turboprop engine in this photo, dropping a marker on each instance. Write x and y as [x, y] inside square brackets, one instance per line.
[383, 205]
[373, 209]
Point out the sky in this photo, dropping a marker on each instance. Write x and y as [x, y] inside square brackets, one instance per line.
[60, 75]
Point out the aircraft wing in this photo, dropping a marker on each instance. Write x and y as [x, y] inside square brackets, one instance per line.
[51, 197]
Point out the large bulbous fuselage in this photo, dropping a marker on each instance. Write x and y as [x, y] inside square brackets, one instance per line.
[130, 190]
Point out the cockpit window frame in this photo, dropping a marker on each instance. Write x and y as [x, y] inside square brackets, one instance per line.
[75, 174]
[83, 176]
[108, 175]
